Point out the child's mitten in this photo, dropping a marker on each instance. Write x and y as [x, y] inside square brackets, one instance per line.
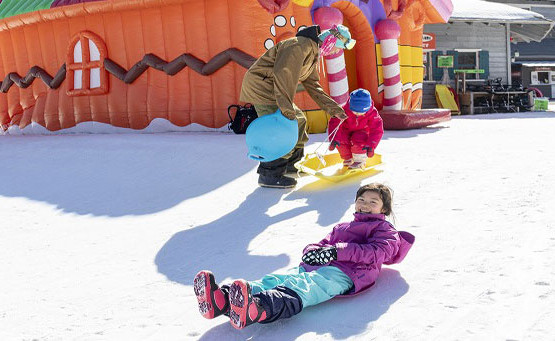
[320, 256]
[369, 151]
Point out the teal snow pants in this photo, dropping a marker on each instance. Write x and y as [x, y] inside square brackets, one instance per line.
[312, 287]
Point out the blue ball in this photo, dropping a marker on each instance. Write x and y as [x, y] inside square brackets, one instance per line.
[271, 136]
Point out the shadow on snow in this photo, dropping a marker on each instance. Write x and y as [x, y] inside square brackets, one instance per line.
[118, 175]
[222, 245]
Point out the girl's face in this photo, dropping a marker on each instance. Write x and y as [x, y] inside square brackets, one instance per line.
[369, 202]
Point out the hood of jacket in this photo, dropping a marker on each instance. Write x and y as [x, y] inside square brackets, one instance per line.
[311, 32]
[406, 238]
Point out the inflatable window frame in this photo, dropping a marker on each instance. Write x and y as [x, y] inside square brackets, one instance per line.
[85, 65]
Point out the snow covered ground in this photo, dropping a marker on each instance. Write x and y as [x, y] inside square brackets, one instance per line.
[101, 235]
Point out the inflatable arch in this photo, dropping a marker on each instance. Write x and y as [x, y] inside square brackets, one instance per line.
[126, 63]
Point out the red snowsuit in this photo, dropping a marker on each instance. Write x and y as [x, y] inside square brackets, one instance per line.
[357, 134]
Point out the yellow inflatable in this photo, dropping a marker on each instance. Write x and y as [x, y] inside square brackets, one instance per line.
[304, 3]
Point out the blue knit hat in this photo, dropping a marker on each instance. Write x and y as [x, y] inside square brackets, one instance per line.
[360, 100]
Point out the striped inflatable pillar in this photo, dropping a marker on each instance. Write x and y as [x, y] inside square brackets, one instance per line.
[337, 77]
[326, 17]
[388, 31]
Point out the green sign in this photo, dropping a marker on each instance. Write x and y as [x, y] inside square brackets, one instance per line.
[470, 71]
[445, 61]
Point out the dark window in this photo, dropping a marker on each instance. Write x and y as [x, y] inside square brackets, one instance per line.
[467, 60]
[543, 77]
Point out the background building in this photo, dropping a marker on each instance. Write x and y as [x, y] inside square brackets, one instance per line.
[479, 36]
[534, 62]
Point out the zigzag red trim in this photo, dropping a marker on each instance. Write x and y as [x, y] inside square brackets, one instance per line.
[149, 60]
[178, 64]
[35, 72]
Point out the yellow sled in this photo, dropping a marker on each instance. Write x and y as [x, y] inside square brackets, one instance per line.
[445, 98]
[332, 168]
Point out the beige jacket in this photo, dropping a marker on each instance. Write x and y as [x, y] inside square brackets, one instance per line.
[274, 77]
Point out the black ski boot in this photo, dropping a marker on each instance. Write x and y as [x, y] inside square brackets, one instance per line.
[276, 181]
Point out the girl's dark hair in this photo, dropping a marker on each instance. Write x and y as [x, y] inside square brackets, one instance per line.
[385, 193]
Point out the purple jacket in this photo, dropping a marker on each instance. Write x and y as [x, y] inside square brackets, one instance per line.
[363, 245]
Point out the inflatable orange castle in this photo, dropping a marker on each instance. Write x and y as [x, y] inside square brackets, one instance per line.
[126, 63]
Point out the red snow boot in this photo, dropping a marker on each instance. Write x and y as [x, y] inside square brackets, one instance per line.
[212, 300]
[245, 309]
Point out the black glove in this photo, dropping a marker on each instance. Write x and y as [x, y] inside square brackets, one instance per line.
[333, 144]
[320, 256]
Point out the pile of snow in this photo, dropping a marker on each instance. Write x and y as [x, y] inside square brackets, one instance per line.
[101, 235]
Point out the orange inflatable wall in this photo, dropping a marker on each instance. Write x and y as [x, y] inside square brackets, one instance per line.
[125, 63]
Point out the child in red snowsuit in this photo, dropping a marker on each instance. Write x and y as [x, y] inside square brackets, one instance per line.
[359, 134]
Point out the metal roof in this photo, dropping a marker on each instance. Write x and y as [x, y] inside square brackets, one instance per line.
[537, 63]
[525, 25]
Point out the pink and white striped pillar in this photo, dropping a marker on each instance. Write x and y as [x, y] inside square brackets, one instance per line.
[388, 31]
[326, 17]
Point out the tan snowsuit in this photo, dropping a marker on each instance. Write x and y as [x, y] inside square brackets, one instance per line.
[272, 81]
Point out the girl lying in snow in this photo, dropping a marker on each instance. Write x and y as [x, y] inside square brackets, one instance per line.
[346, 262]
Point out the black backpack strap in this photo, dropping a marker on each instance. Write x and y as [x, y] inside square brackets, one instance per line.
[229, 111]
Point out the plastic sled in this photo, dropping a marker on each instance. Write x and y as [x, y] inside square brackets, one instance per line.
[445, 98]
[332, 168]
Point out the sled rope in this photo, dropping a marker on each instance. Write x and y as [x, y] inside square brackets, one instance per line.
[328, 139]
